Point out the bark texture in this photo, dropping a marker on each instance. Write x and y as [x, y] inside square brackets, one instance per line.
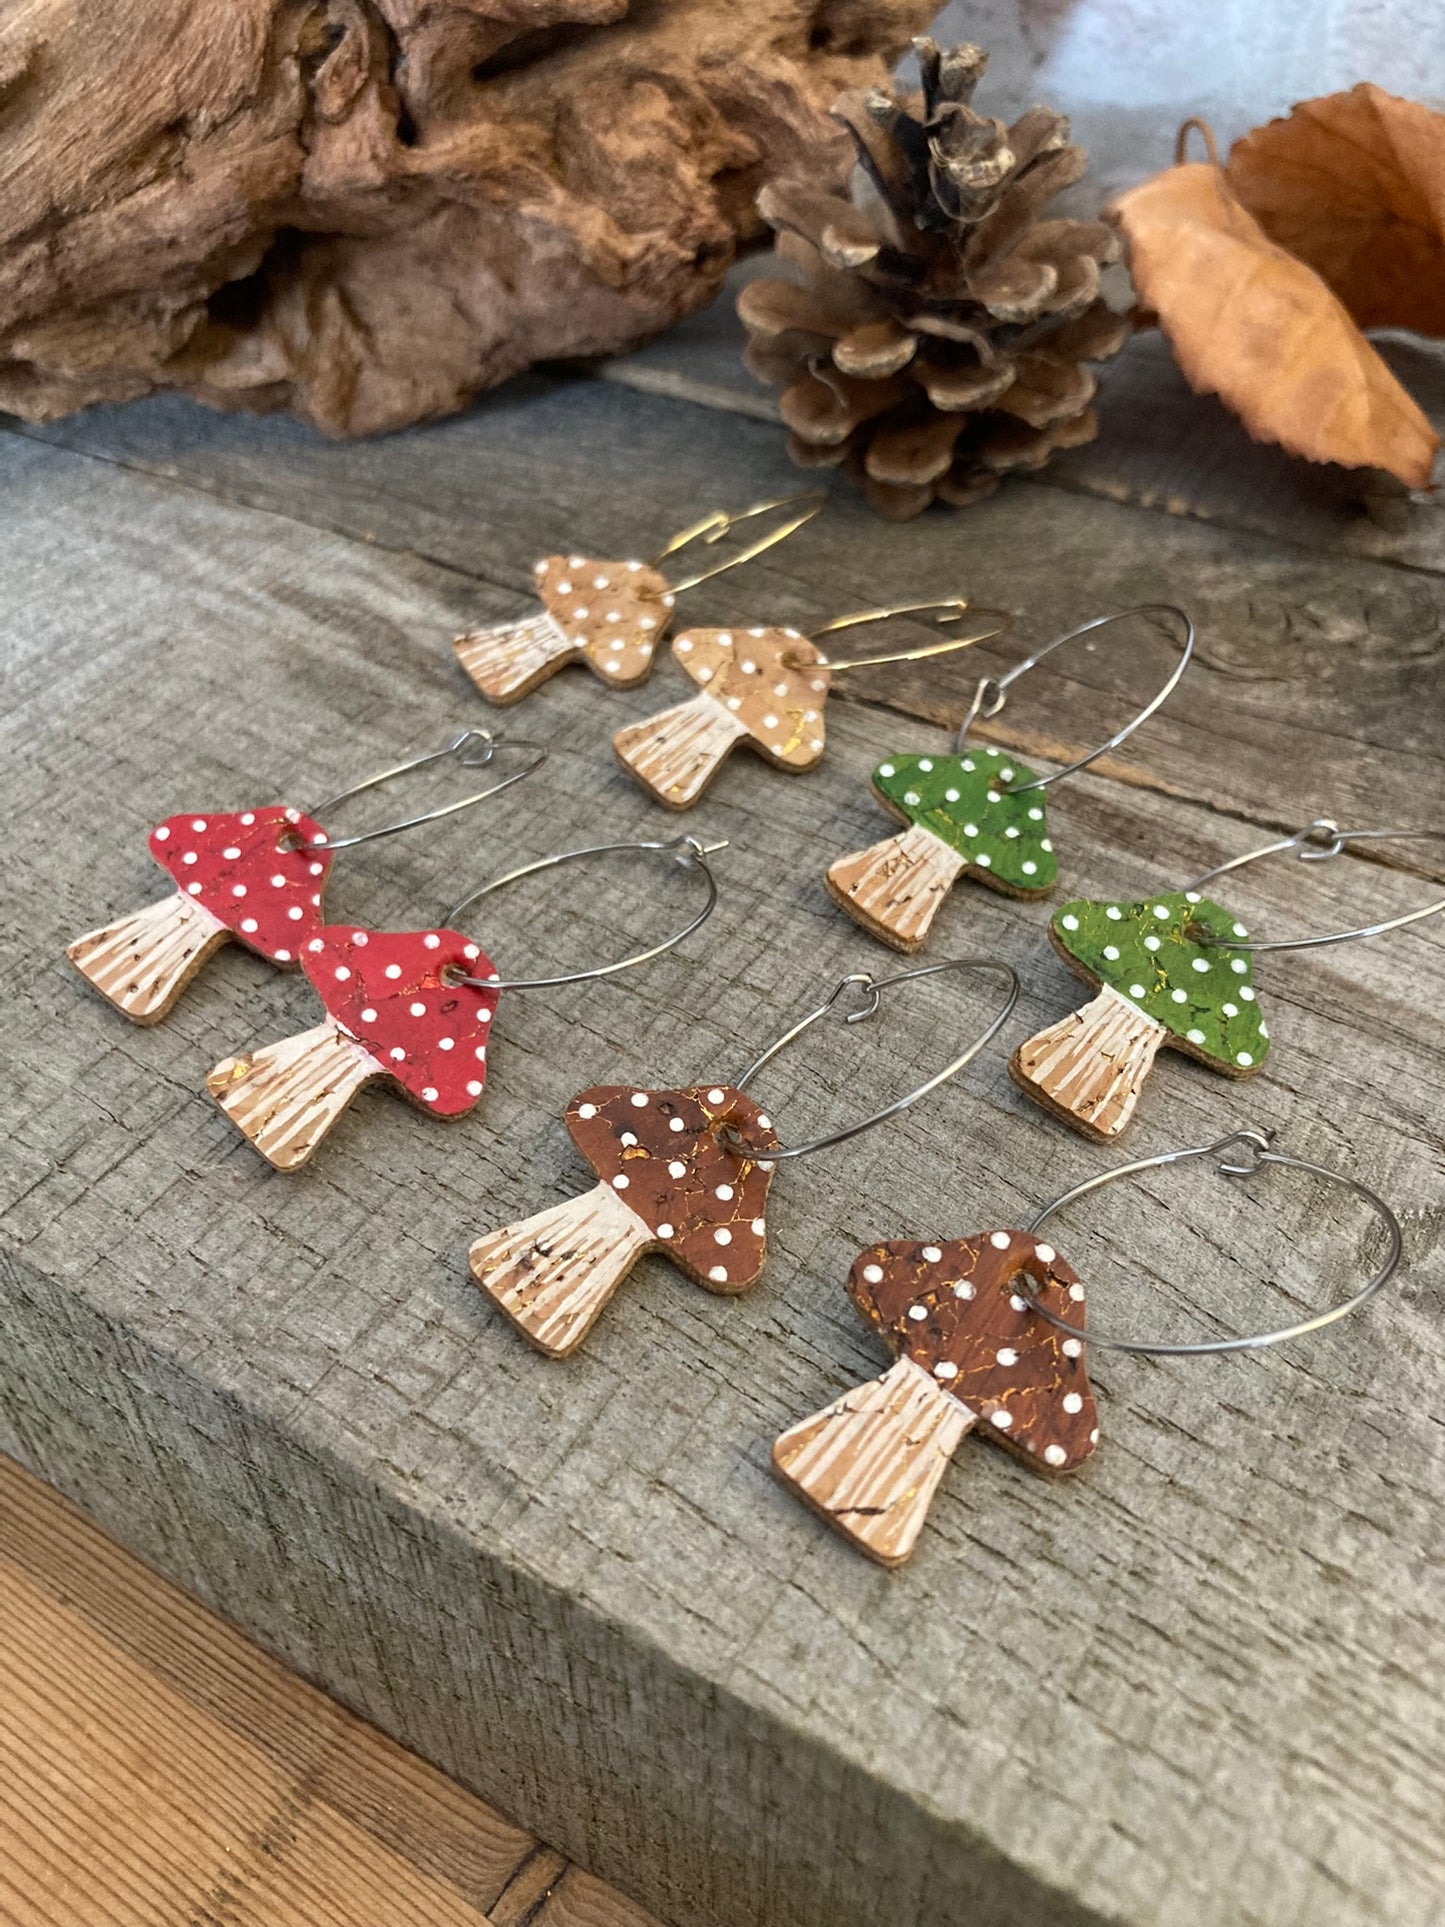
[366, 210]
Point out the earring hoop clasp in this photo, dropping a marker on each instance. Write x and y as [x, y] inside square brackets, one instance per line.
[688, 851]
[714, 526]
[464, 748]
[1256, 1144]
[1317, 842]
[872, 988]
[991, 694]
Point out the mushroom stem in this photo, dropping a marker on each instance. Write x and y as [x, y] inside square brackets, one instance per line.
[870, 1462]
[894, 888]
[142, 963]
[1090, 1068]
[674, 755]
[552, 1274]
[285, 1098]
[506, 659]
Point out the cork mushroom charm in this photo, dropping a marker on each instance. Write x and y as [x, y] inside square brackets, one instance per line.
[962, 818]
[667, 1182]
[970, 1354]
[251, 876]
[976, 811]
[610, 616]
[413, 1007]
[684, 1172]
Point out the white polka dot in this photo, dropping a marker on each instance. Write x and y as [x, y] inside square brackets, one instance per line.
[723, 1236]
[945, 1368]
[1199, 963]
[910, 797]
[771, 722]
[1243, 1057]
[1072, 1347]
[393, 971]
[704, 674]
[417, 1010]
[429, 1095]
[1002, 1418]
[1076, 1292]
[619, 1183]
[293, 816]
[676, 1124]
[316, 944]
[931, 1254]
[639, 1099]
[162, 835]
[1111, 951]
[470, 952]
[599, 581]
[764, 1123]
[1010, 831]
[190, 857]
[1264, 1030]
[194, 889]
[748, 668]
[248, 924]
[1151, 943]
[198, 823]
[1019, 1304]
[564, 588]
[994, 797]
[1240, 931]
[950, 796]
[1161, 910]
[1246, 991]
[1136, 990]
[970, 829]
[983, 860]
[1054, 1455]
[724, 1191]
[397, 1054]
[1045, 1254]
[484, 1015]
[1029, 868]
[445, 1043]
[231, 854]
[316, 869]
[368, 1016]
[1073, 1402]
[1046, 844]
[278, 882]
[1230, 1010]
[715, 1097]
[1036, 815]
[719, 1274]
[295, 913]
[759, 1227]
[677, 1169]
[1179, 996]
[1239, 964]
[649, 622]
[1070, 923]
[1195, 1036]
[1006, 1355]
[884, 769]
[963, 1289]
[586, 1110]
[480, 1053]
[873, 1274]
[925, 763]
[282, 956]
[999, 1240]
[1113, 914]
[918, 1313]
[342, 973]
[755, 632]
[238, 889]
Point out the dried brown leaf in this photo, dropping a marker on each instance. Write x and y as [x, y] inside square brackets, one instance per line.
[1354, 185]
[1250, 323]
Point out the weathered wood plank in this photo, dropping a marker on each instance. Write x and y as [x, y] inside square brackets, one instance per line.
[1317, 689]
[1193, 1686]
[158, 1768]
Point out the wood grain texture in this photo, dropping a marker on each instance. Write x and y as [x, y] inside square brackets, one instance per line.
[583, 1591]
[158, 1770]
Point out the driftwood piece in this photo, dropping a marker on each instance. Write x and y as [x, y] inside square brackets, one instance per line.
[365, 212]
[1144, 1697]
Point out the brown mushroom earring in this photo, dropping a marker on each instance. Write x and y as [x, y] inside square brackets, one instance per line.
[684, 1172]
[988, 1333]
[975, 811]
[254, 876]
[609, 615]
[765, 687]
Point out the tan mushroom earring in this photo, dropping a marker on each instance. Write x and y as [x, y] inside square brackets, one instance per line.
[609, 615]
[684, 1172]
[254, 876]
[988, 1333]
[763, 687]
[975, 811]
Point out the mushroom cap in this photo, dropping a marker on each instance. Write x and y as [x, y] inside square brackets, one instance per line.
[660, 1152]
[615, 613]
[952, 1308]
[1001, 834]
[1201, 994]
[773, 680]
[386, 988]
[238, 866]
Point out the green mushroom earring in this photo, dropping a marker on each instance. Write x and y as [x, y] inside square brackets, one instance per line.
[977, 811]
[1175, 969]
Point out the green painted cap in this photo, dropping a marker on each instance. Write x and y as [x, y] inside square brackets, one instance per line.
[967, 802]
[1202, 993]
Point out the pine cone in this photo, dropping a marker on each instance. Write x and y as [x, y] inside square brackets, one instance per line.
[934, 331]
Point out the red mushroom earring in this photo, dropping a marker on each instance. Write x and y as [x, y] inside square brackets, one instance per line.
[253, 876]
[412, 1006]
[684, 1172]
[988, 1335]
[762, 687]
[609, 615]
[1175, 969]
[977, 811]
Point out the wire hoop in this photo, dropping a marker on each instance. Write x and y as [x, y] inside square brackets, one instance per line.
[687, 851]
[872, 988]
[1259, 1155]
[473, 749]
[713, 527]
[991, 694]
[1317, 842]
[951, 608]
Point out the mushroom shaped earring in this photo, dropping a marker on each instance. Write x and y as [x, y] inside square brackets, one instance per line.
[609, 615]
[412, 1006]
[759, 686]
[254, 876]
[988, 1334]
[975, 811]
[682, 1171]
[1176, 970]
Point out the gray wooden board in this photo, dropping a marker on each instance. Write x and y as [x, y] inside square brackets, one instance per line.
[1318, 688]
[1198, 1684]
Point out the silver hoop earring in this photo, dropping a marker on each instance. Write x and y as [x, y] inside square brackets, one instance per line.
[685, 1172]
[255, 877]
[988, 1333]
[977, 812]
[412, 1006]
[1174, 970]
